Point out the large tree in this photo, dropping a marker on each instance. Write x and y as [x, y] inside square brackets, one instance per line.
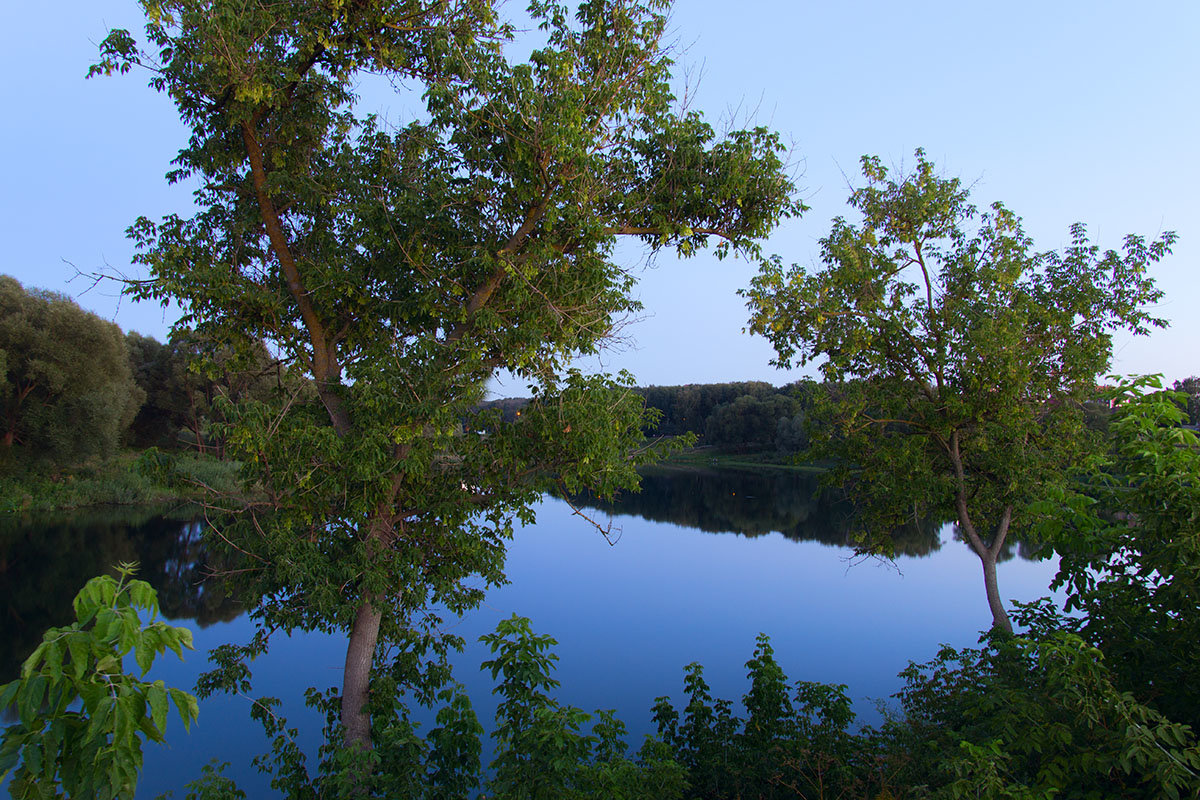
[402, 263]
[959, 358]
[66, 390]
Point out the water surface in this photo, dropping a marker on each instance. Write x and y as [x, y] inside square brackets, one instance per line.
[700, 565]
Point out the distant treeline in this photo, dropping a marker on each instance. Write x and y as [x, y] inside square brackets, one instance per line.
[748, 414]
[754, 416]
[744, 415]
[72, 385]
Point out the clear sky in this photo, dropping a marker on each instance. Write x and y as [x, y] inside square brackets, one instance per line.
[1066, 111]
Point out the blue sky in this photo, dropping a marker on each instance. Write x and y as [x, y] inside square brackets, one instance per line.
[1065, 111]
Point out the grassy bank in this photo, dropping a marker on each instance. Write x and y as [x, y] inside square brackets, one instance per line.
[714, 458]
[117, 481]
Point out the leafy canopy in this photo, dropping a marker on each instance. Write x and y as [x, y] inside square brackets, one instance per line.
[1130, 547]
[66, 389]
[399, 264]
[960, 355]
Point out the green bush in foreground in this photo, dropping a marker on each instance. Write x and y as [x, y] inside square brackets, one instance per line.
[1035, 716]
[95, 751]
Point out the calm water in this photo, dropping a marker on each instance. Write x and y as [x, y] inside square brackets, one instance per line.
[701, 565]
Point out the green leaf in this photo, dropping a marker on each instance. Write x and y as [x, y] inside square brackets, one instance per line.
[29, 699]
[98, 727]
[8, 693]
[129, 709]
[185, 638]
[92, 693]
[54, 657]
[81, 652]
[142, 595]
[34, 657]
[143, 654]
[10, 751]
[187, 706]
[106, 619]
[156, 696]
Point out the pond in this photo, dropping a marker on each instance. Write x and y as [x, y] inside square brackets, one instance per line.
[700, 563]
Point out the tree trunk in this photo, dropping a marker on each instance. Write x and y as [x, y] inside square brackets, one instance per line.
[360, 654]
[326, 372]
[10, 435]
[987, 553]
[1000, 621]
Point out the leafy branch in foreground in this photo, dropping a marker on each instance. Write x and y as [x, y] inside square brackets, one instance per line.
[1130, 544]
[95, 751]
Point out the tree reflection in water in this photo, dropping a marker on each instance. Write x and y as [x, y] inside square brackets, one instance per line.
[755, 503]
[46, 558]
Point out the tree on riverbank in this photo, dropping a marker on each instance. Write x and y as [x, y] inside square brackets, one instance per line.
[399, 267]
[962, 357]
[66, 390]
[186, 381]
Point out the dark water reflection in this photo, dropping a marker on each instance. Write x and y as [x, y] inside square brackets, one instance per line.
[762, 502]
[46, 558]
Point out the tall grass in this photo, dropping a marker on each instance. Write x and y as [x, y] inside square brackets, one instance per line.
[116, 481]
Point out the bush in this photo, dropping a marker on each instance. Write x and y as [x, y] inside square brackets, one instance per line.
[93, 749]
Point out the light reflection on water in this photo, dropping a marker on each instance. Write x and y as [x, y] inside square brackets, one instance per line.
[629, 617]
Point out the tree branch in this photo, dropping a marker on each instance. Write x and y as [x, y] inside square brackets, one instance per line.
[325, 369]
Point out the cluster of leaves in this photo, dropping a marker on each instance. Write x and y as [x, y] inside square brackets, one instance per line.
[1035, 716]
[96, 750]
[544, 750]
[185, 381]
[541, 750]
[1190, 387]
[1022, 717]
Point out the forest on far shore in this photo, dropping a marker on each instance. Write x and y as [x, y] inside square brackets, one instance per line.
[74, 387]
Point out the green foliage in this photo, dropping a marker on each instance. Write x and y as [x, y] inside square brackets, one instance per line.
[541, 748]
[1190, 386]
[95, 751]
[1130, 548]
[794, 742]
[752, 422]
[400, 265]
[213, 785]
[958, 358]
[541, 751]
[185, 382]
[688, 409]
[1033, 717]
[66, 391]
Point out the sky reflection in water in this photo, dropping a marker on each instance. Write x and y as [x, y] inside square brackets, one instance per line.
[628, 617]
